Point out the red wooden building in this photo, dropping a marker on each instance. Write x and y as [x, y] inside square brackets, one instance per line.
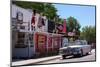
[47, 43]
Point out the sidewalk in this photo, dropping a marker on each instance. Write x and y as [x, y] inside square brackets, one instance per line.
[34, 61]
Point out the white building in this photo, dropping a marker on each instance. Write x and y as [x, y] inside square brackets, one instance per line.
[22, 44]
[22, 32]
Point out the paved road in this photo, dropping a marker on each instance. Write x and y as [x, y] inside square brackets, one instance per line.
[90, 57]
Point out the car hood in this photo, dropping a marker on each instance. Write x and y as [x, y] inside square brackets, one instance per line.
[73, 46]
[76, 46]
[64, 48]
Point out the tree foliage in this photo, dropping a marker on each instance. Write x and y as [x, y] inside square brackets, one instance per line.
[46, 8]
[73, 25]
[89, 33]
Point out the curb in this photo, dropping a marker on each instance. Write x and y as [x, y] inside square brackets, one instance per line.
[46, 60]
[35, 62]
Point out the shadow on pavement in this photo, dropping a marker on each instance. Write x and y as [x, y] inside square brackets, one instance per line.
[72, 57]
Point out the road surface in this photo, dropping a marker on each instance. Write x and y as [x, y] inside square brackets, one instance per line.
[90, 57]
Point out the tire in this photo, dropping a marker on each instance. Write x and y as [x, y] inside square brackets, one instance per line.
[87, 53]
[63, 56]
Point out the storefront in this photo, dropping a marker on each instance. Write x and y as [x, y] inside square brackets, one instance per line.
[47, 43]
[40, 43]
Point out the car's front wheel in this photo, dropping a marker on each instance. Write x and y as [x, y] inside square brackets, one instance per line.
[63, 56]
[80, 54]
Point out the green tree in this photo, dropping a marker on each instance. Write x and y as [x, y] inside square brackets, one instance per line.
[73, 25]
[46, 8]
[49, 10]
[89, 33]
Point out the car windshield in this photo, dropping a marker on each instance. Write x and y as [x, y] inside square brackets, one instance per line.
[77, 43]
[81, 42]
[71, 43]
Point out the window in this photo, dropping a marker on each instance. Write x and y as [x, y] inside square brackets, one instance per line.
[22, 27]
[21, 35]
[20, 40]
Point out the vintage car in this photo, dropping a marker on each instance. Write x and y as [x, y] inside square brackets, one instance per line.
[77, 48]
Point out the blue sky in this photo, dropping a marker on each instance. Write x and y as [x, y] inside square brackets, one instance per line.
[84, 14]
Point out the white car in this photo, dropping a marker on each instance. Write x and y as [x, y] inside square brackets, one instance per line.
[80, 48]
[77, 48]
